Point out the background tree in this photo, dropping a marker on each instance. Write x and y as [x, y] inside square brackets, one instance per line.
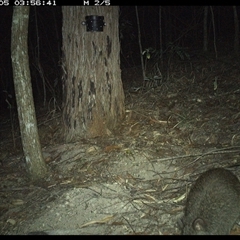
[24, 98]
[93, 98]
[236, 35]
[205, 33]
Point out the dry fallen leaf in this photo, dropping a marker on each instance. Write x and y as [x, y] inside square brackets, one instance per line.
[103, 220]
[17, 202]
[11, 221]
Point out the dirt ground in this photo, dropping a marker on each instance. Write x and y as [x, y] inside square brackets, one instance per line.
[135, 180]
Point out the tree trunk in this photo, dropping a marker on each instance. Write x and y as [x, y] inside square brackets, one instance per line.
[93, 103]
[24, 98]
[140, 47]
[236, 36]
[214, 33]
[205, 34]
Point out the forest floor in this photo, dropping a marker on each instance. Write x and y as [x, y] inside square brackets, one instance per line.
[134, 181]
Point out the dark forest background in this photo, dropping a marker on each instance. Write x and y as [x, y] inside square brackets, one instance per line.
[181, 29]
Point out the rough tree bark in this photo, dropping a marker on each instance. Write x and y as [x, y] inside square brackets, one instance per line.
[93, 103]
[24, 98]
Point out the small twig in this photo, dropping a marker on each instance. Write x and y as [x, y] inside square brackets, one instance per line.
[216, 151]
[128, 224]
